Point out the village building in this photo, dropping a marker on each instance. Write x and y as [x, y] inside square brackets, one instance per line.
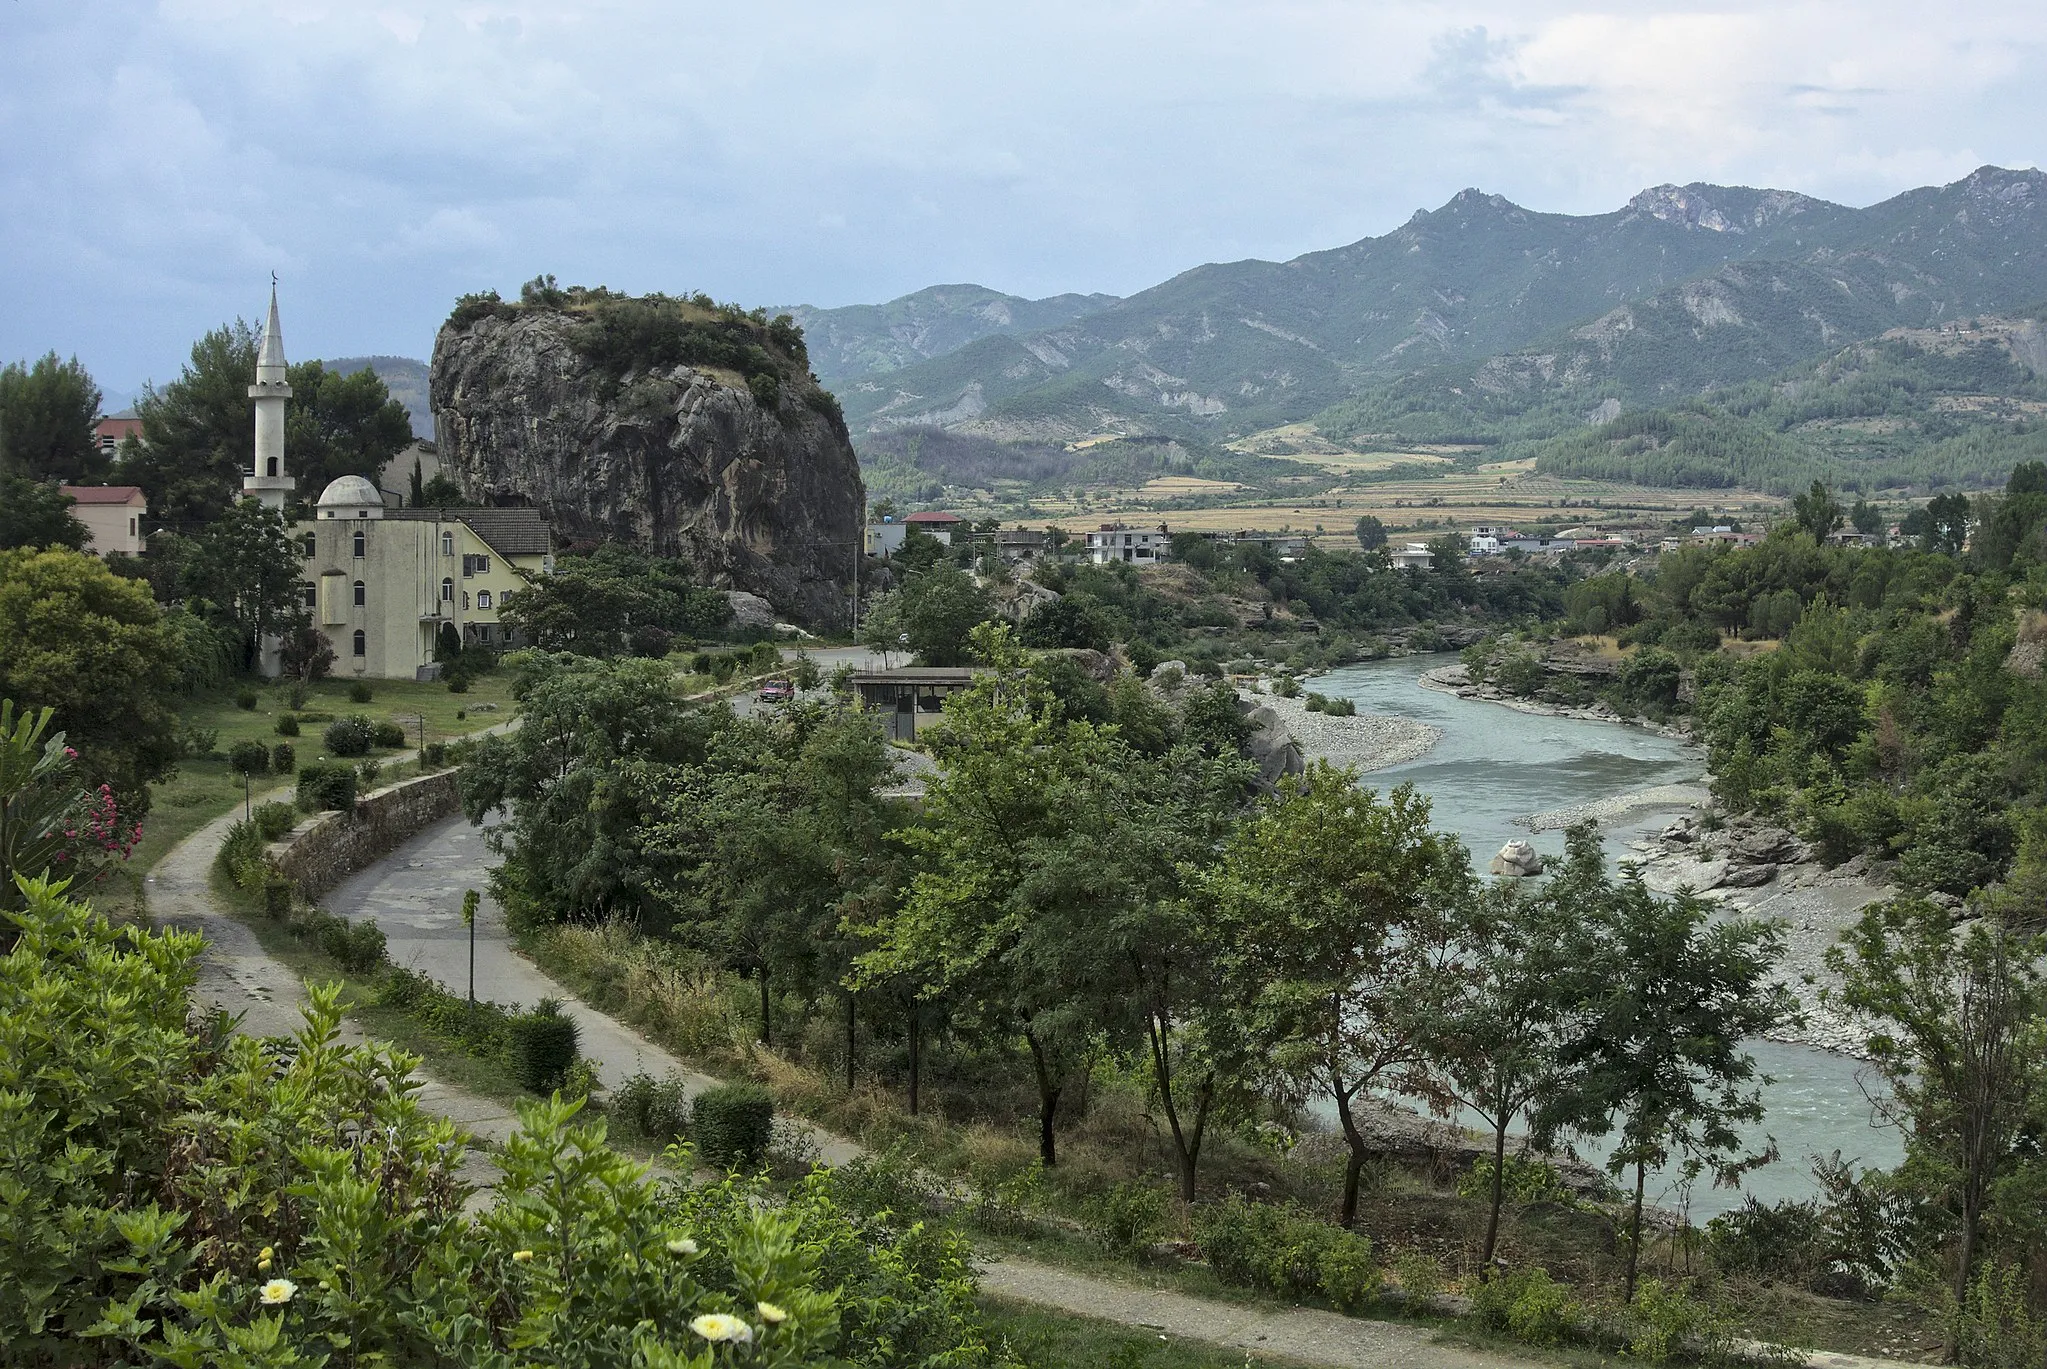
[113, 516]
[905, 699]
[1413, 556]
[1121, 542]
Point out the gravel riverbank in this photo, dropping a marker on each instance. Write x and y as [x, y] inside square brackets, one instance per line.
[1368, 741]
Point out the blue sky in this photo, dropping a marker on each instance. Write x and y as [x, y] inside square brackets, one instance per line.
[159, 160]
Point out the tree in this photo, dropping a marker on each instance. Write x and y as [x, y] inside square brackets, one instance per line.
[245, 568]
[1865, 517]
[46, 415]
[1068, 621]
[1962, 1043]
[1371, 533]
[338, 425]
[442, 492]
[305, 654]
[882, 628]
[198, 432]
[1497, 1050]
[76, 638]
[940, 608]
[1817, 511]
[1023, 857]
[34, 514]
[1664, 998]
[595, 605]
[1341, 905]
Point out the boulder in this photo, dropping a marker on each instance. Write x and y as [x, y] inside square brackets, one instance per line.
[1270, 746]
[750, 611]
[1764, 846]
[1747, 876]
[1517, 859]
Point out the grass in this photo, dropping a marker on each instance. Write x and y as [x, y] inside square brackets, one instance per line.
[1065, 1340]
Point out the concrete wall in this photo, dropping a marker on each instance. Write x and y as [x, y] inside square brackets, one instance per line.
[329, 847]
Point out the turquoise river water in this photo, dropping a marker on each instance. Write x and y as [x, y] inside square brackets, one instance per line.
[1494, 765]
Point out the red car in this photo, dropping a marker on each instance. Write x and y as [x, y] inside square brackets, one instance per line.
[777, 692]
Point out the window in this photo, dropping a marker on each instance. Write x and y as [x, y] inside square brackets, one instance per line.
[447, 544]
[131, 527]
[362, 642]
[270, 468]
[312, 546]
[465, 598]
[361, 543]
[475, 565]
[309, 593]
[447, 591]
[483, 632]
[361, 594]
[483, 598]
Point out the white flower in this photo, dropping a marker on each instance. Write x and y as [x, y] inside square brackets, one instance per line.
[722, 1326]
[681, 1245]
[771, 1314]
[278, 1291]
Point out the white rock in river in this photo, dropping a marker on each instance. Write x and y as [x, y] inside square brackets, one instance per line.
[1517, 858]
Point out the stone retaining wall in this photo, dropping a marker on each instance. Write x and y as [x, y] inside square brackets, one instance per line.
[329, 847]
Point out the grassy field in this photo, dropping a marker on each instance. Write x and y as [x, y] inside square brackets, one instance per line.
[203, 787]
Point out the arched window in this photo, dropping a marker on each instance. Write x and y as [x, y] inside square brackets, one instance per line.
[447, 591]
[361, 594]
[312, 546]
[483, 598]
[362, 642]
[271, 467]
[361, 542]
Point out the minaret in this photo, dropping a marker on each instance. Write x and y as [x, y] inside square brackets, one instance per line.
[266, 480]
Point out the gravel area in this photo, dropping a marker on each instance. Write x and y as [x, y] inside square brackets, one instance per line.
[1604, 811]
[1369, 741]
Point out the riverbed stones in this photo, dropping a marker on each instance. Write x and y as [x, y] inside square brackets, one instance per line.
[1517, 859]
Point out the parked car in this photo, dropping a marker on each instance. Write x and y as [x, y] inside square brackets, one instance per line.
[777, 692]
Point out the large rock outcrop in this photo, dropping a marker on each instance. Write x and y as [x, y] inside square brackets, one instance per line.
[685, 429]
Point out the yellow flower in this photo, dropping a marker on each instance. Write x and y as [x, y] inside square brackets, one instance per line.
[265, 1253]
[722, 1326]
[278, 1291]
[681, 1245]
[522, 1256]
[263, 1265]
[771, 1314]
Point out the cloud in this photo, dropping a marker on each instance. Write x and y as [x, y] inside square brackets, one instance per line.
[161, 158]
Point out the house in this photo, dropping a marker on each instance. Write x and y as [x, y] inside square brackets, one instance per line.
[1488, 541]
[1538, 546]
[908, 698]
[1723, 535]
[1121, 542]
[1849, 537]
[1413, 556]
[885, 538]
[113, 517]
[1287, 546]
[939, 525]
[1017, 545]
[108, 433]
[382, 583]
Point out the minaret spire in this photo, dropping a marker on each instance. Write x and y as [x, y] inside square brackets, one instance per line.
[266, 480]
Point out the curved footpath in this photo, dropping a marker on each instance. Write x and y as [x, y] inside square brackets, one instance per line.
[415, 894]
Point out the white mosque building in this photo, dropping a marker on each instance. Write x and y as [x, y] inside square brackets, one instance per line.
[382, 582]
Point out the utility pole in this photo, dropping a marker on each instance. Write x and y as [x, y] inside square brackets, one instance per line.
[469, 902]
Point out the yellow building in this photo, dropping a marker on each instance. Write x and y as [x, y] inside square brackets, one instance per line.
[381, 582]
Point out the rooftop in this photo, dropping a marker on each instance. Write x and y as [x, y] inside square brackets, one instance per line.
[510, 532]
[917, 674]
[103, 494]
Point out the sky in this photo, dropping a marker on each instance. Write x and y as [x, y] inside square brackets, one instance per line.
[158, 161]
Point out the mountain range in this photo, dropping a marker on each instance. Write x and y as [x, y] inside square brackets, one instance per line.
[1463, 320]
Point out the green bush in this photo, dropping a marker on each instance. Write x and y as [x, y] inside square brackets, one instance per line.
[387, 734]
[249, 758]
[245, 699]
[732, 1125]
[434, 755]
[1126, 1218]
[1008, 1203]
[360, 693]
[544, 1044]
[1287, 687]
[885, 1186]
[357, 947]
[350, 736]
[1667, 1324]
[274, 820]
[287, 725]
[644, 1108]
[1527, 1181]
[284, 758]
[1263, 1245]
[1528, 1305]
[306, 715]
[367, 770]
[241, 855]
[326, 786]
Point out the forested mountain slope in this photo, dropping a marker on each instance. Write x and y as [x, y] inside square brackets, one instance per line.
[873, 339]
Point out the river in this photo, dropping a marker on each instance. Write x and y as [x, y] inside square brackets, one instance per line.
[1494, 765]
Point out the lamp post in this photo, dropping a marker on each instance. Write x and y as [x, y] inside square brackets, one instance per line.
[469, 902]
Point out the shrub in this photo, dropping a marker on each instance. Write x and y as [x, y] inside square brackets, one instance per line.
[1126, 1218]
[288, 726]
[367, 770]
[387, 734]
[307, 715]
[284, 758]
[357, 947]
[349, 736]
[1420, 1273]
[1527, 1180]
[1665, 1324]
[274, 820]
[326, 787]
[246, 700]
[732, 1125]
[249, 758]
[434, 755]
[544, 1045]
[1528, 1305]
[1008, 1203]
[1283, 1249]
[648, 1109]
[360, 693]
[1315, 703]
[1287, 687]
[241, 855]
[884, 1186]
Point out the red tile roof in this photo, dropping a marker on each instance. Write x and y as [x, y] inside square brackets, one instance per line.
[932, 518]
[103, 494]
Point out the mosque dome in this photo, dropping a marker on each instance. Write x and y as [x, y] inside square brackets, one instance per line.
[351, 496]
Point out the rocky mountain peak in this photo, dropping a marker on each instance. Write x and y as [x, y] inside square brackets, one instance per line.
[1719, 209]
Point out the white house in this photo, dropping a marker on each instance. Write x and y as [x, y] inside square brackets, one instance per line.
[1121, 542]
[113, 516]
[1413, 556]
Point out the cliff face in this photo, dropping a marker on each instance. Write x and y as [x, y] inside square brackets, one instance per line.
[587, 413]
